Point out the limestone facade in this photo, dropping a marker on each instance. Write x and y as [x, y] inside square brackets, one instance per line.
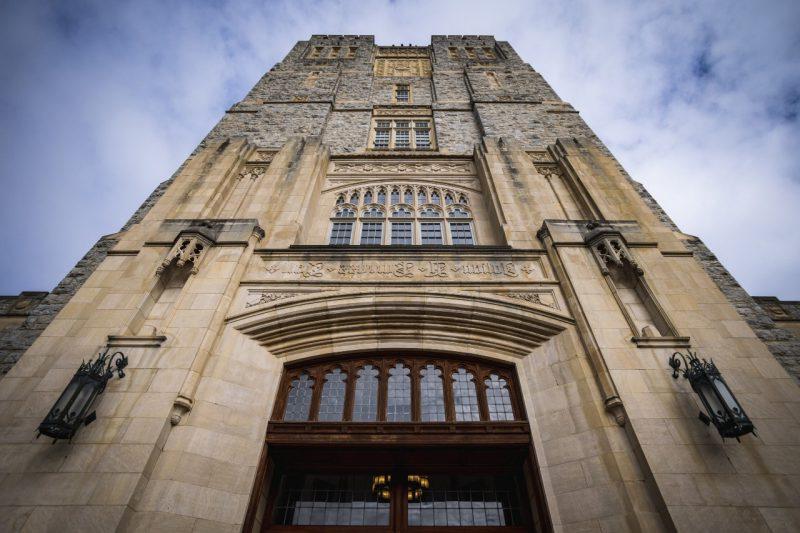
[573, 276]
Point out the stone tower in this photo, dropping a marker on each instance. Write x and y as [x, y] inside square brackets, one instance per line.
[401, 286]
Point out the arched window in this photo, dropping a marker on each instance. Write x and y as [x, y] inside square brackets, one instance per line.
[354, 198]
[463, 200]
[381, 195]
[368, 197]
[432, 407]
[435, 197]
[395, 197]
[410, 388]
[345, 212]
[459, 212]
[365, 399]
[401, 212]
[498, 398]
[422, 197]
[298, 399]
[465, 396]
[340, 199]
[373, 212]
[398, 398]
[408, 197]
[448, 199]
[430, 212]
[331, 403]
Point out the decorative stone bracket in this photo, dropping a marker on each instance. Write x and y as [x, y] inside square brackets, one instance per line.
[188, 248]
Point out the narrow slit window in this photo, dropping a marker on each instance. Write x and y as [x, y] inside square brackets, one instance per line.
[365, 399]
[431, 395]
[298, 400]
[465, 397]
[398, 399]
[498, 398]
[331, 403]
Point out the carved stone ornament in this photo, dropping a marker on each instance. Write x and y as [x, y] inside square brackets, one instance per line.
[403, 67]
[264, 297]
[188, 248]
[610, 250]
[404, 111]
[404, 52]
[548, 170]
[368, 167]
[540, 157]
[252, 172]
[533, 297]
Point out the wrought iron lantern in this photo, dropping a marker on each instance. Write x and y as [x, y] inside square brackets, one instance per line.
[722, 408]
[72, 407]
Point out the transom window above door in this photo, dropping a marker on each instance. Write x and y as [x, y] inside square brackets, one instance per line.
[399, 389]
[402, 214]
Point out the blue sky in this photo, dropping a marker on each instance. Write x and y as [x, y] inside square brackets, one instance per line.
[101, 101]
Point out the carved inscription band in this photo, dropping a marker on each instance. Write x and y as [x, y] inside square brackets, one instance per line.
[408, 270]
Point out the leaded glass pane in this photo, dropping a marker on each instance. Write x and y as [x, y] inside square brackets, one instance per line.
[435, 197]
[401, 233]
[354, 198]
[331, 500]
[298, 400]
[465, 396]
[430, 212]
[431, 395]
[381, 196]
[448, 199]
[365, 399]
[498, 398]
[368, 197]
[331, 403]
[431, 233]
[466, 500]
[341, 232]
[381, 138]
[461, 233]
[398, 399]
[372, 233]
[408, 197]
[402, 138]
[395, 197]
[401, 212]
[422, 198]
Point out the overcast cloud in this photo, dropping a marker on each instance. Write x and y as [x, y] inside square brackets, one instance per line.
[99, 102]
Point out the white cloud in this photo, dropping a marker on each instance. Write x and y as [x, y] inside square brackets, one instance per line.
[100, 103]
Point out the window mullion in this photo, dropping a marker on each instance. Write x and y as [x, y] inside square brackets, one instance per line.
[318, 376]
[350, 388]
[416, 398]
[480, 388]
[383, 385]
[447, 383]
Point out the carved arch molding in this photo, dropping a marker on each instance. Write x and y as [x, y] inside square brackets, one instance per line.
[337, 322]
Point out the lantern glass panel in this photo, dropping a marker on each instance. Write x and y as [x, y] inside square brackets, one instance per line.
[727, 397]
[82, 400]
[65, 399]
[710, 398]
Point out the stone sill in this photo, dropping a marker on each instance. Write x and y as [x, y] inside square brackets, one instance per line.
[661, 342]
